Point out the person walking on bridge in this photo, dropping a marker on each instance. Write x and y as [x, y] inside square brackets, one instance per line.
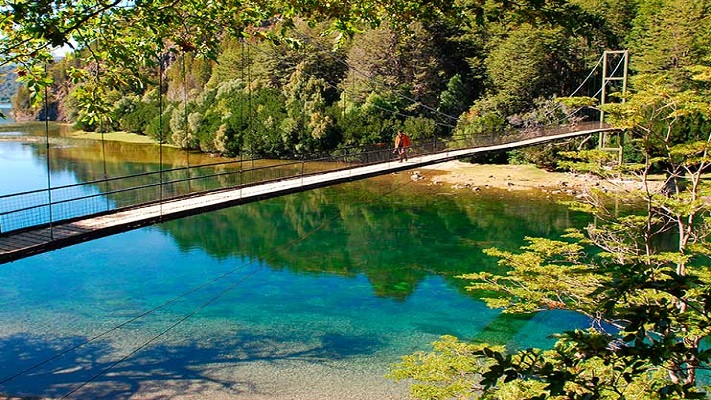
[402, 142]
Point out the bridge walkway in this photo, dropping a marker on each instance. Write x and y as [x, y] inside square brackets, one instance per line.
[26, 242]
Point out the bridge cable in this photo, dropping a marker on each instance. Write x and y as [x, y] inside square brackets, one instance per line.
[291, 64]
[558, 106]
[599, 91]
[46, 133]
[102, 127]
[186, 139]
[592, 71]
[414, 101]
[250, 107]
[344, 62]
[205, 304]
[160, 130]
[619, 64]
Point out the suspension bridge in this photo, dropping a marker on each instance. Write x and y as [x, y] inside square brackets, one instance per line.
[37, 221]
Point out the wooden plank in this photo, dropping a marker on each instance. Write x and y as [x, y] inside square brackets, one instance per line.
[17, 245]
[27, 239]
[61, 233]
[74, 228]
[5, 247]
[37, 235]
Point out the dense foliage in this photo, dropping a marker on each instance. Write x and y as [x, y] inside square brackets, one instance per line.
[8, 84]
[643, 278]
[306, 79]
[283, 78]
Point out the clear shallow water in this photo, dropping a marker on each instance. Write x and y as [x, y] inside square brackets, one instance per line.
[307, 296]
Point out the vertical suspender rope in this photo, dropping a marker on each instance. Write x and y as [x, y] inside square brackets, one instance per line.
[160, 131]
[106, 175]
[249, 103]
[102, 128]
[186, 140]
[46, 133]
[244, 132]
[242, 65]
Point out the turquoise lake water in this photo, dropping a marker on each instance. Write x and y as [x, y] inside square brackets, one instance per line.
[307, 296]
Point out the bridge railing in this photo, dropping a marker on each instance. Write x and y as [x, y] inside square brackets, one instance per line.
[519, 135]
[44, 207]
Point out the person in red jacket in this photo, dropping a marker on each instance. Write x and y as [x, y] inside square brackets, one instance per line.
[402, 142]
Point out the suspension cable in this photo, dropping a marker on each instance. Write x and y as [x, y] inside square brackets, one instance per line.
[619, 64]
[186, 140]
[46, 133]
[160, 130]
[592, 71]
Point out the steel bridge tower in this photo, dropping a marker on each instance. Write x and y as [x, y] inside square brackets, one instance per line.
[616, 78]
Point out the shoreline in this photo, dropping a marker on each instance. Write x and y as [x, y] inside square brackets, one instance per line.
[458, 175]
[455, 175]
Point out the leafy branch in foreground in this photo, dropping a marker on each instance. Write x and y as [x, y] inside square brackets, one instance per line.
[642, 277]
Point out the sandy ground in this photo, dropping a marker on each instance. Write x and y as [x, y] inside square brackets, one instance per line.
[465, 176]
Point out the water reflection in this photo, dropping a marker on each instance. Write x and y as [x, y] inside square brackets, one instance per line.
[395, 238]
[327, 287]
[394, 231]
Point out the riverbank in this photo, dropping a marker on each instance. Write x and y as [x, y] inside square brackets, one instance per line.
[113, 136]
[458, 175]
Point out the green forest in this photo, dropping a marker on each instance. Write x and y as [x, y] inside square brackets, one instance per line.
[284, 78]
[8, 83]
[309, 91]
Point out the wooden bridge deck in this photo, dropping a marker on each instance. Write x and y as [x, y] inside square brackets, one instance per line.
[25, 243]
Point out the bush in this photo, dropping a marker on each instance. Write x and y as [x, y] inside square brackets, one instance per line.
[159, 127]
[137, 120]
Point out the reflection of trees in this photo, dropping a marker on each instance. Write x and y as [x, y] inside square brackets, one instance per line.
[395, 240]
[86, 162]
[85, 158]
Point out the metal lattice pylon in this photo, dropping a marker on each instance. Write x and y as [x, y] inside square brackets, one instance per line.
[615, 75]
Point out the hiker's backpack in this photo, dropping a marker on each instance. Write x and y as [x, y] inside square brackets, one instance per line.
[405, 140]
